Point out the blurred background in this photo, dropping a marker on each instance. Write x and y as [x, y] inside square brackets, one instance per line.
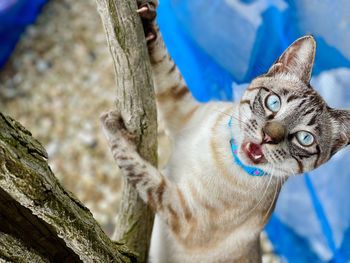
[57, 81]
[57, 76]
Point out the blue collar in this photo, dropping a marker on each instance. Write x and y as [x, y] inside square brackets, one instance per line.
[250, 170]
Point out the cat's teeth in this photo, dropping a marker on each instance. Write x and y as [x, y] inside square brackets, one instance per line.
[257, 156]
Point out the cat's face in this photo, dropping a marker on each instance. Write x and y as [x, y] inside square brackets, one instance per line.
[285, 126]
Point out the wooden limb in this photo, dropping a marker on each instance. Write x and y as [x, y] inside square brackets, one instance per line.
[39, 220]
[13, 249]
[136, 101]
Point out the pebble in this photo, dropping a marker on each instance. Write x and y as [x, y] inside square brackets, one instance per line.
[52, 148]
[87, 139]
[42, 65]
[9, 92]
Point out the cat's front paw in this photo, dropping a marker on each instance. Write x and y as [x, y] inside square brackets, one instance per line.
[147, 10]
[114, 128]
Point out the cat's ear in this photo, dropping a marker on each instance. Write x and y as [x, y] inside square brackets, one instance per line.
[341, 121]
[298, 59]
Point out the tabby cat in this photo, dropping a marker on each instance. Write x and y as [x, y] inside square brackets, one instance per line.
[229, 160]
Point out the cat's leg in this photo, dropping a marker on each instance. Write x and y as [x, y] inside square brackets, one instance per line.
[175, 102]
[163, 196]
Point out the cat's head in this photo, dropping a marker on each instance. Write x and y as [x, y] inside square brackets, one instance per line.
[285, 126]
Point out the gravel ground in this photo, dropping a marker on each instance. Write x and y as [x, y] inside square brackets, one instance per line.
[57, 82]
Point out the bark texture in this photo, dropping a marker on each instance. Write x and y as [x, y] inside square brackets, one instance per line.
[40, 220]
[136, 101]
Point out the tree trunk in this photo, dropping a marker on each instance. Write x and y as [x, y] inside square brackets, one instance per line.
[39, 220]
[136, 101]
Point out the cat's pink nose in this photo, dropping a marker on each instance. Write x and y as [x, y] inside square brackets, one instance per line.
[273, 132]
[267, 138]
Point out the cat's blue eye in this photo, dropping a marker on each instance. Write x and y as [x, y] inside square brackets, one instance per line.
[273, 103]
[305, 138]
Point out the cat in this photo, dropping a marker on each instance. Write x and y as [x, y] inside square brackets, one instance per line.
[229, 161]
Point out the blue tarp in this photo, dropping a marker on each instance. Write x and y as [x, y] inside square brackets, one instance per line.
[221, 45]
[15, 15]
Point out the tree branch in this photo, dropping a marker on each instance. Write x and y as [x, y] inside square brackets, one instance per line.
[136, 101]
[40, 220]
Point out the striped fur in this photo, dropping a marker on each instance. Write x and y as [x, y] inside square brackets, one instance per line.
[208, 209]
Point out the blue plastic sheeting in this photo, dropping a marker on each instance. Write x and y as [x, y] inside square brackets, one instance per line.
[14, 16]
[221, 45]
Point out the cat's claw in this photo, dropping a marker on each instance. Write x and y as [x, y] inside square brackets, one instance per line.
[150, 36]
[147, 9]
[142, 10]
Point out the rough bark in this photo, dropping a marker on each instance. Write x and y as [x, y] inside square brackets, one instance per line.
[136, 100]
[39, 220]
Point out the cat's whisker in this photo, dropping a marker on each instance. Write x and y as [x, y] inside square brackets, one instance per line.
[273, 199]
[262, 197]
[243, 115]
[241, 111]
[232, 117]
[223, 112]
[224, 125]
[235, 118]
[242, 121]
[258, 117]
[258, 181]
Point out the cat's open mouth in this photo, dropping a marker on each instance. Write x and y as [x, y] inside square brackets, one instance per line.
[253, 152]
